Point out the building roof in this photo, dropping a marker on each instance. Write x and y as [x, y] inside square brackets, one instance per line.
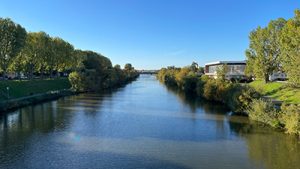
[225, 62]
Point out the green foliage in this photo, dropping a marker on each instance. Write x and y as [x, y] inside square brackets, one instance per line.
[128, 67]
[275, 48]
[264, 112]
[278, 90]
[210, 89]
[12, 39]
[190, 83]
[62, 56]
[264, 50]
[291, 118]
[289, 45]
[246, 97]
[194, 67]
[77, 81]
[235, 96]
[37, 53]
[200, 85]
[221, 72]
[181, 76]
[288, 117]
[167, 75]
[97, 73]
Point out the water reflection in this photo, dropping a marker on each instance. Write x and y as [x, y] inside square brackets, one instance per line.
[143, 125]
[267, 147]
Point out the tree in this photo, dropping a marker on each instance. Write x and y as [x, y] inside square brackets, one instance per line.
[221, 72]
[264, 50]
[128, 67]
[36, 52]
[77, 81]
[290, 47]
[12, 39]
[63, 56]
[194, 67]
[117, 66]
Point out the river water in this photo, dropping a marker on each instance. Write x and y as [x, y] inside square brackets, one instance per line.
[143, 125]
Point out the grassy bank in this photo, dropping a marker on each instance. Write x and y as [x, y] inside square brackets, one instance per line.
[278, 90]
[25, 88]
[13, 104]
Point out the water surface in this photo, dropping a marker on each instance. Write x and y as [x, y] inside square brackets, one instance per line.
[143, 125]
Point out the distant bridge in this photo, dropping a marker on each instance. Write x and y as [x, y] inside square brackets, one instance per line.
[151, 72]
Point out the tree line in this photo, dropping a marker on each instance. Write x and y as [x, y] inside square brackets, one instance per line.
[38, 54]
[240, 98]
[275, 48]
[190, 80]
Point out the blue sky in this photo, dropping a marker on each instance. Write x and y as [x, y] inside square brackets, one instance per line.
[151, 34]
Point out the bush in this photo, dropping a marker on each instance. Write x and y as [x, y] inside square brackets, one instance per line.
[77, 81]
[210, 89]
[291, 118]
[190, 84]
[231, 97]
[264, 112]
[222, 90]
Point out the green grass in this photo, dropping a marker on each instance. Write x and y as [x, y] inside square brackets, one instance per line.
[278, 90]
[24, 88]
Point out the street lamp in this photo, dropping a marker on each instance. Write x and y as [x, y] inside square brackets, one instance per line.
[7, 88]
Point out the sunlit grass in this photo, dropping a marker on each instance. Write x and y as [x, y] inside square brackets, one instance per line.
[23, 88]
[278, 90]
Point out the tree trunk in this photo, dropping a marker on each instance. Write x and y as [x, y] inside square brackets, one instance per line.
[19, 75]
[31, 72]
[266, 78]
[51, 74]
[5, 74]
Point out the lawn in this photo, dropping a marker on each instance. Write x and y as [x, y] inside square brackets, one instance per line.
[23, 88]
[278, 90]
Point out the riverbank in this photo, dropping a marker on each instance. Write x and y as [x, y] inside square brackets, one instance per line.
[15, 94]
[30, 92]
[14, 89]
[278, 90]
[240, 98]
[13, 104]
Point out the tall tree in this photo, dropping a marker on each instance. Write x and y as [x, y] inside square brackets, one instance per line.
[63, 56]
[36, 53]
[264, 50]
[290, 47]
[194, 67]
[12, 39]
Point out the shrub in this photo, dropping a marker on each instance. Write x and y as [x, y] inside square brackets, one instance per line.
[248, 94]
[222, 88]
[180, 77]
[291, 118]
[210, 89]
[200, 88]
[264, 112]
[190, 83]
[77, 81]
[169, 79]
[231, 97]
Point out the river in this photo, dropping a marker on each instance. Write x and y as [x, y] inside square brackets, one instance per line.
[142, 125]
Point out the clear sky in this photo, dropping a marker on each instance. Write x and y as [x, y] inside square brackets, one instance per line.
[151, 34]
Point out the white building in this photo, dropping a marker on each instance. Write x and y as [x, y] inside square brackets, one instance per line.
[236, 69]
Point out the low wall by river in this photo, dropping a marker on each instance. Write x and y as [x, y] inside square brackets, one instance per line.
[13, 104]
